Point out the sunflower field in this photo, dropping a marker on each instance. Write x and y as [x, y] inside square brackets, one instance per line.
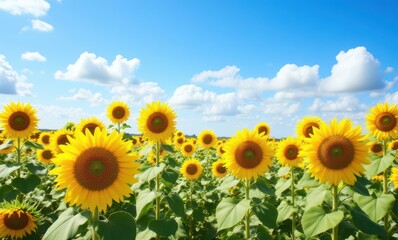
[92, 181]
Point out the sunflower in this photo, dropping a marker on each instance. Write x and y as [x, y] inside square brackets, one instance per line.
[90, 124]
[19, 120]
[95, 169]
[288, 152]
[376, 148]
[263, 128]
[59, 138]
[247, 155]
[382, 121]
[44, 155]
[179, 141]
[207, 138]
[157, 121]
[179, 133]
[394, 177]
[188, 149]
[379, 177]
[218, 169]
[44, 138]
[191, 169]
[305, 127]
[220, 150]
[393, 145]
[336, 152]
[118, 112]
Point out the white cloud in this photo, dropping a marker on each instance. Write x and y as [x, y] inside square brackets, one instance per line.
[12, 82]
[355, 70]
[224, 77]
[94, 99]
[55, 117]
[389, 70]
[391, 98]
[341, 104]
[36, 8]
[93, 69]
[281, 108]
[41, 26]
[33, 56]
[190, 96]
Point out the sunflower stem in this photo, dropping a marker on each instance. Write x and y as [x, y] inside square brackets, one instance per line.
[247, 219]
[385, 185]
[335, 192]
[190, 234]
[157, 186]
[293, 203]
[18, 156]
[94, 220]
[118, 128]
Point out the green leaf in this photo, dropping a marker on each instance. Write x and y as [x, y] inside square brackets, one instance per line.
[170, 175]
[8, 143]
[265, 187]
[33, 145]
[266, 213]
[363, 223]
[26, 185]
[306, 181]
[164, 227]
[151, 172]
[360, 186]
[176, 204]
[36, 169]
[375, 207]
[262, 233]
[230, 212]
[282, 185]
[144, 199]
[316, 196]
[7, 169]
[119, 225]
[284, 211]
[67, 225]
[283, 171]
[146, 234]
[228, 182]
[147, 149]
[379, 165]
[316, 221]
[7, 193]
[167, 148]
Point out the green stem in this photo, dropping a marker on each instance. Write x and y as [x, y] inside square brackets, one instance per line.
[18, 156]
[157, 186]
[190, 234]
[118, 128]
[94, 220]
[385, 185]
[293, 197]
[335, 192]
[247, 197]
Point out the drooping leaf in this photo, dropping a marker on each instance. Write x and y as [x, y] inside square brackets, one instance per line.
[282, 185]
[7, 169]
[6, 144]
[170, 175]
[151, 172]
[230, 212]
[144, 198]
[164, 227]
[176, 204]
[147, 149]
[265, 187]
[26, 185]
[266, 213]
[375, 207]
[315, 220]
[228, 182]
[119, 225]
[33, 145]
[316, 196]
[36, 169]
[7, 193]
[284, 211]
[307, 181]
[363, 223]
[167, 148]
[378, 165]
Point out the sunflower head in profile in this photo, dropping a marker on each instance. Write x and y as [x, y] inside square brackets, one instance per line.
[59, 138]
[393, 145]
[336, 153]
[394, 177]
[18, 220]
[95, 169]
[288, 152]
[89, 124]
[382, 121]
[191, 169]
[118, 112]
[220, 150]
[19, 120]
[207, 139]
[157, 121]
[44, 138]
[305, 127]
[45, 155]
[188, 148]
[218, 169]
[376, 148]
[247, 155]
[263, 129]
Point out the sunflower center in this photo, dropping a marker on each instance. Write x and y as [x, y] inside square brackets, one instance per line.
[385, 121]
[157, 122]
[19, 121]
[222, 150]
[16, 220]
[96, 168]
[395, 146]
[62, 139]
[308, 129]
[248, 154]
[192, 169]
[46, 139]
[221, 169]
[207, 138]
[291, 152]
[180, 140]
[46, 154]
[134, 141]
[118, 112]
[376, 148]
[263, 129]
[336, 152]
[90, 126]
[188, 148]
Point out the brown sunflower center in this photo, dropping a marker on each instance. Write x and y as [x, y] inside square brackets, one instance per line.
[376, 148]
[16, 220]
[96, 168]
[188, 148]
[385, 121]
[180, 140]
[221, 169]
[46, 139]
[207, 138]
[62, 139]
[308, 129]
[222, 150]
[263, 129]
[157, 122]
[248, 154]
[192, 169]
[395, 145]
[291, 152]
[90, 126]
[179, 134]
[134, 141]
[118, 112]
[46, 154]
[336, 152]
[19, 121]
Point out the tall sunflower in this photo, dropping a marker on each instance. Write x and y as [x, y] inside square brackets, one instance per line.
[191, 169]
[394, 177]
[19, 120]
[59, 138]
[95, 169]
[207, 138]
[376, 148]
[218, 169]
[288, 152]
[247, 155]
[157, 121]
[382, 121]
[188, 148]
[90, 124]
[118, 112]
[305, 127]
[336, 152]
[263, 128]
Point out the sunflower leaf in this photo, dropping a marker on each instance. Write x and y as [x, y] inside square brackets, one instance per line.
[6, 144]
[380, 164]
[284, 211]
[33, 145]
[230, 212]
[144, 201]
[363, 223]
[26, 185]
[168, 148]
[147, 149]
[266, 213]
[151, 172]
[176, 204]
[282, 185]
[375, 207]
[7, 169]
[164, 227]
[119, 225]
[315, 221]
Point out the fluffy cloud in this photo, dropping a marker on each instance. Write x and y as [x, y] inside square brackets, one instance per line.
[355, 70]
[94, 99]
[391, 98]
[281, 108]
[93, 69]
[12, 82]
[224, 77]
[33, 56]
[55, 117]
[190, 97]
[341, 104]
[41, 26]
[36, 8]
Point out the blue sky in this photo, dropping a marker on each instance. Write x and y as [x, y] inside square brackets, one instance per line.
[221, 65]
